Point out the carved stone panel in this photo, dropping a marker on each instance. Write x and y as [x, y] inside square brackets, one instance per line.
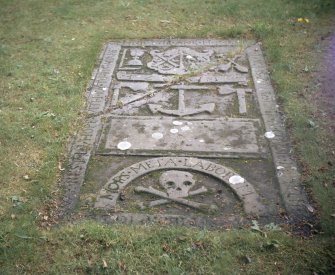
[166, 135]
[184, 132]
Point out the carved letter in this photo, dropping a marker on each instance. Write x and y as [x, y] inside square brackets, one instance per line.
[211, 167]
[138, 169]
[170, 161]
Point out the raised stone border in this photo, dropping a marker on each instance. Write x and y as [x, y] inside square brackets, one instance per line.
[85, 141]
[179, 220]
[288, 176]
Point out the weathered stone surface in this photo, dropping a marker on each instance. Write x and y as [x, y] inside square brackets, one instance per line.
[160, 136]
[203, 107]
[111, 192]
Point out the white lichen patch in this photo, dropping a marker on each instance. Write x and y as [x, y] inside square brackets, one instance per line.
[124, 145]
[236, 179]
[157, 135]
[269, 135]
[177, 123]
[174, 131]
[185, 128]
[201, 140]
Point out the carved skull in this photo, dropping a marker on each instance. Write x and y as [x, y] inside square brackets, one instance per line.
[177, 183]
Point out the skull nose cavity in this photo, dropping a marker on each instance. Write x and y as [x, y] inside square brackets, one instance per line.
[178, 189]
[170, 184]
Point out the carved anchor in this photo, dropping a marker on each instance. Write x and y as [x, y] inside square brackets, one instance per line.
[227, 90]
[182, 110]
[177, 185]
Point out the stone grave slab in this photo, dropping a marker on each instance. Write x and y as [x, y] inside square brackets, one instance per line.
[182, 132]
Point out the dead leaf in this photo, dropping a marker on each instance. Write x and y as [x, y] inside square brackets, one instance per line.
[306, 69]
[60, 166]
[166, 248]
[182, 238]
[322, 169]
[245, 259]
[198, 245]
[23, 236]
[163, 222]
[310, 208]
[272, 244]
[256, 228]
[121, 265]
[104, 263]
[311, 123]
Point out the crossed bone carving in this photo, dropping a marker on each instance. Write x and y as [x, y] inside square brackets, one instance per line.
[177, 185]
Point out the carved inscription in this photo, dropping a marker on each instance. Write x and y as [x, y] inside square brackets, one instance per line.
[110, 193]
[180, 220]
[83, 146]
[99, 91]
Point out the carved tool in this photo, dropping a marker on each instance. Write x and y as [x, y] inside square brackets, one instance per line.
[182, 109]
[227, 90]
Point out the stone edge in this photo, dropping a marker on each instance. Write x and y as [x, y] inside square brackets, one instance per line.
[85, 141]
[181, 42]
[166, 219]
[293, 195]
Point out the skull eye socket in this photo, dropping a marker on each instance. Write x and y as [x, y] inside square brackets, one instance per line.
[170, 184]
[187, 183]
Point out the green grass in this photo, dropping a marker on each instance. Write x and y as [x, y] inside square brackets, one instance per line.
[91, 248]
[47, 53]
